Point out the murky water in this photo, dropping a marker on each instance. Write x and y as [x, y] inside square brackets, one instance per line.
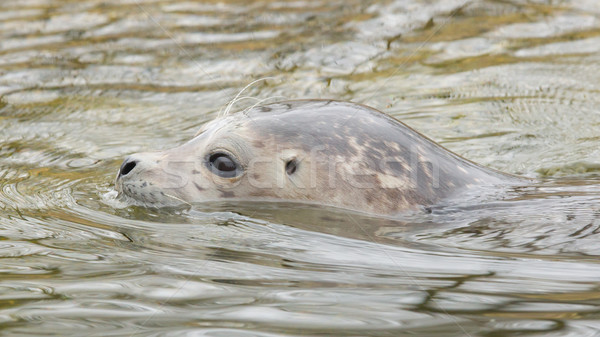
[513, 85]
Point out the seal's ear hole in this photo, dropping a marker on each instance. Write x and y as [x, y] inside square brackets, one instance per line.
[290, 166]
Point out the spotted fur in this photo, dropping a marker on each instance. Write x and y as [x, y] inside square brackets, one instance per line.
[347, 155]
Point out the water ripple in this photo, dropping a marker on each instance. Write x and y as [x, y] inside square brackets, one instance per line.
[508, 84]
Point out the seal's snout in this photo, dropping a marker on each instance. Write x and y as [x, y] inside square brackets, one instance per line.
[128, 165]
[147, 179]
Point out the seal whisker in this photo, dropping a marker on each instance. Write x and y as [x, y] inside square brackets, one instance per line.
[260, 101]
[241, 99]
[234, 100]
[178, 199]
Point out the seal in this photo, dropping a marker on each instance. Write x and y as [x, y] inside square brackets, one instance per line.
[322, 152]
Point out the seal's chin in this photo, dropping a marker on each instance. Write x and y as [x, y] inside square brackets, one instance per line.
[146, 195]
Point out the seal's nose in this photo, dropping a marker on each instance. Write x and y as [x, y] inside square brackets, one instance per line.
[127, 166]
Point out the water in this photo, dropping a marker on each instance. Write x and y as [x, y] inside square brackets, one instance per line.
[509, 84]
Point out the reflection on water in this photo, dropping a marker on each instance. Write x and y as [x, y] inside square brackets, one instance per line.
[509, 84]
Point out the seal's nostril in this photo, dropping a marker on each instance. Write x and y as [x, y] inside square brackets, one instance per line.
[127, 167]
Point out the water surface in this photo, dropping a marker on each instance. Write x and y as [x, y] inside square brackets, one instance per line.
[512, 85]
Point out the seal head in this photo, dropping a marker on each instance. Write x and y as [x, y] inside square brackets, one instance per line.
[331, 153]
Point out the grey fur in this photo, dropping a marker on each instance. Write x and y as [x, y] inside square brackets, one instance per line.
[348, 155]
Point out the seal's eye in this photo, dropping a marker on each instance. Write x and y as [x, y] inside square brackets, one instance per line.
[223, 165]
[290, 166]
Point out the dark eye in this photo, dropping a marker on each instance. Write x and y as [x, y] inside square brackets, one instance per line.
[223, 165]
[290, 166]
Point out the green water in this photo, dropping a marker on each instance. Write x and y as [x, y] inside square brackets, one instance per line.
[513, 85]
